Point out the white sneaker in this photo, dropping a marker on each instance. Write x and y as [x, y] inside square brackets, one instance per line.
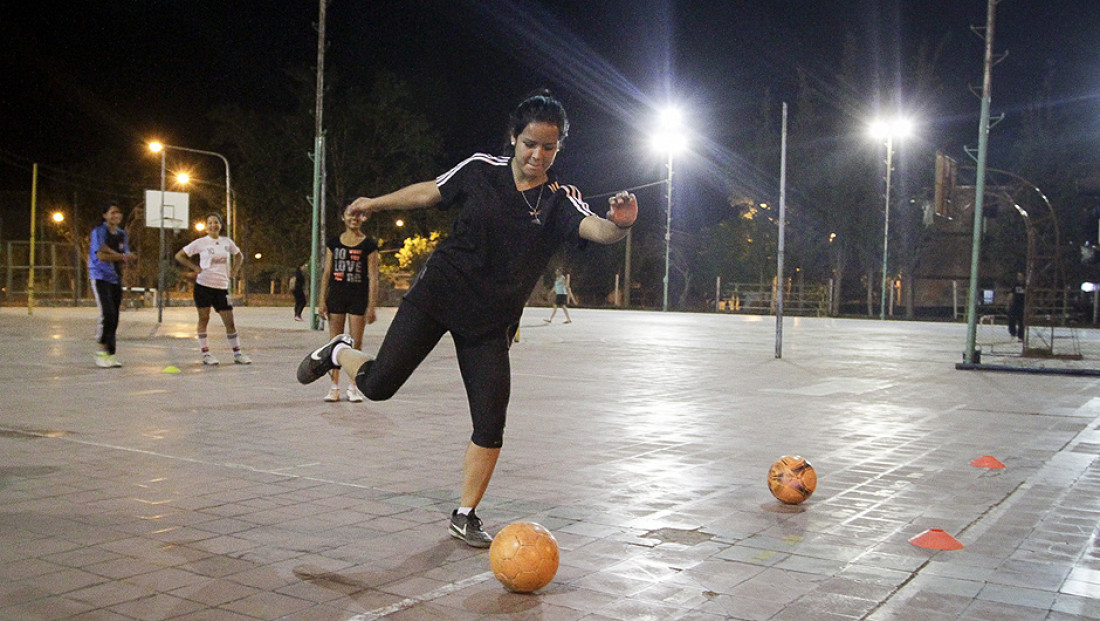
[240, 358]
[102, 359]
[333, 394]
[354, 395]
[208, 358]
[114, 363]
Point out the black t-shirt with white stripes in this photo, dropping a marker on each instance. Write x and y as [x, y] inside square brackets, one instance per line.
[479, 278]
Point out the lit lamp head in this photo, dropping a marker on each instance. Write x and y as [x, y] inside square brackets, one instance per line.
[669, 137]
[885, 129]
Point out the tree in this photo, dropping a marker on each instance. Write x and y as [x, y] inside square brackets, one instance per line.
[375, 143]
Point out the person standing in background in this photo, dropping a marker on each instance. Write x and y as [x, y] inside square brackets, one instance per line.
[298, 289]
[212, 285]
[561, 296]
[108, 251]
[349, 290]
[1016, 307]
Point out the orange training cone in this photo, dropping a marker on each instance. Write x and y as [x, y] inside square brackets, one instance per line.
[936, 539]
[987, 461]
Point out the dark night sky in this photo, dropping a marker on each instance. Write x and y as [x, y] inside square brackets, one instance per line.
[79, 78]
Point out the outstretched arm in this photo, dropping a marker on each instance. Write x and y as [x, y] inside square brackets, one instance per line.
[621, 215]
[415, 196]
[372, 286]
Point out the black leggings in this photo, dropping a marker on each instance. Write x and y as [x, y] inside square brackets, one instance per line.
[483, 362]
[108, 297]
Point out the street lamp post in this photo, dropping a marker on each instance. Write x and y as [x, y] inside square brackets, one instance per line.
[888, 130]
[670, 140]
[160, 256]
[668, 231]
[886, 223]
[230, 221]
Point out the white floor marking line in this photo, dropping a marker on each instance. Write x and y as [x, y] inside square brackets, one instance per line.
[409, 602]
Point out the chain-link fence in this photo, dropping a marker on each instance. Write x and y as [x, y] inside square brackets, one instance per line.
[59, 274]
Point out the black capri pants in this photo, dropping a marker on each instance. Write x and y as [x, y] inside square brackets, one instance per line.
[108, 296]
[483, 362]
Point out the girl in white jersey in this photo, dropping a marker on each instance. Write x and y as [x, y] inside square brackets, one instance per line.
[212, 284]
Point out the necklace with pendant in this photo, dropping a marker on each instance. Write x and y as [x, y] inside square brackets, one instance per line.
[533, 210]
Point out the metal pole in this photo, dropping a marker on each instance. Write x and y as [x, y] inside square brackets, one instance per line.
[886, 225]
[626, 270]
[78, 278]
[668, 230]
[979, 188]
[30, 269]
[1095, 303]
[318, 163]
[230, 217]
[160, 257]
[230, 220]
[782, 235]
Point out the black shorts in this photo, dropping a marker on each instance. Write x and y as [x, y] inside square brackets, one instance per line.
[347, 303]
[560, 299]
[205, 297]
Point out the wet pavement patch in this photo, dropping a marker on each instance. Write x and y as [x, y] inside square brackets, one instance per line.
[32, 434]
[679, 535]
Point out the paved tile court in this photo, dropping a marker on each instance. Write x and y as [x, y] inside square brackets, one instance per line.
[640, 439]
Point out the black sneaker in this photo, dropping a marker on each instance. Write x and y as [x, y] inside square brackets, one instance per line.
[468, 528]
[319, 361]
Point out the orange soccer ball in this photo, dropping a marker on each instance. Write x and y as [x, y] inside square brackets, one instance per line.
[524, 557]
[792, 479]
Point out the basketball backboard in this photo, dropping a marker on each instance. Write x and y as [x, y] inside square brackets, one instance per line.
[175, 209]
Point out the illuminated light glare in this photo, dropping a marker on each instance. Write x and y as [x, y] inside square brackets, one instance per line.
[183, 177]
[155, 147]
[669, 137]
[200, 226]
[1088, 287]
[668, 142]
[891, 128]
[672, 117]
[58, 217]
[259, 255]
[400, 223]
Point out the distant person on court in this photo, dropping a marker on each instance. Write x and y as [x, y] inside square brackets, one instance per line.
[349, 289]
[108, 251]
[513, 215]
[561, 296]
[1016, 307]
[298, 290]
[212, 284]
